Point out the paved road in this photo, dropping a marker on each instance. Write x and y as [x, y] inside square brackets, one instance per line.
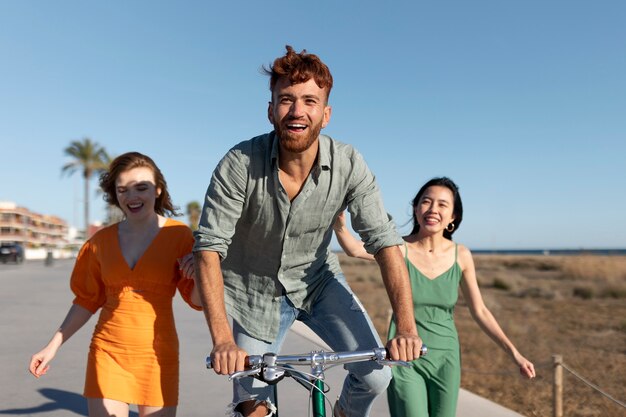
[33, 301]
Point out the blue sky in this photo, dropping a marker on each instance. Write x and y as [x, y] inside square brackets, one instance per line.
[523, 104]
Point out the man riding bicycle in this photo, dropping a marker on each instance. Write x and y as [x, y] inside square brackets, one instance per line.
[262, 247]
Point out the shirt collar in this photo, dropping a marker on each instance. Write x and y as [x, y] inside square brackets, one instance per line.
[323, 154]
[274, 151]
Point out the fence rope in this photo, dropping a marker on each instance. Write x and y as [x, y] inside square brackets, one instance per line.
[592, 385]
[476, 371]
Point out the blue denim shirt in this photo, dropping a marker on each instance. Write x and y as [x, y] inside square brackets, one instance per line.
[270, 245]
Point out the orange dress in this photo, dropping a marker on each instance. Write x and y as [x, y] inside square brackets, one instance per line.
[133, 356]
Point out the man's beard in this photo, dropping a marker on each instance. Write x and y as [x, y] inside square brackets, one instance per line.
[297, 143]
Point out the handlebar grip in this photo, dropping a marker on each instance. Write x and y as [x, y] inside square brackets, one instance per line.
[423, 351]
[250, 361]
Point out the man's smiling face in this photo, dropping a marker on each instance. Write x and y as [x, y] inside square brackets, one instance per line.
[298, 113]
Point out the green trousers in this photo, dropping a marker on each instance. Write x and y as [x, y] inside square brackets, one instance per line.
[428, 388]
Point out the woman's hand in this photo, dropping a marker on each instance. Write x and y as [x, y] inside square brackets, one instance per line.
[186, 266]
[526, 367]
[76, 317]
[39, 362]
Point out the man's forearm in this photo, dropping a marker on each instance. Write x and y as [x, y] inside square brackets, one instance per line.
[210, 283]
[396, 279]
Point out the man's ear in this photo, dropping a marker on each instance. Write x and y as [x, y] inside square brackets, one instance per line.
[270, 112]
[327, 113]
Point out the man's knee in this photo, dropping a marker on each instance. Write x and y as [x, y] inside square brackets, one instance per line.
[252, 398]
[252, 408]
[377, 380]
[382, 380]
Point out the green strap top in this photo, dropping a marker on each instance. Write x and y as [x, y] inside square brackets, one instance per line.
[433, 304]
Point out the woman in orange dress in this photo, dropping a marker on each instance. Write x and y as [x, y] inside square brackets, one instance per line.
[130, 271]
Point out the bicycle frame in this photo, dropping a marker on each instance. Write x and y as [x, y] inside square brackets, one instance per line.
[272, 368]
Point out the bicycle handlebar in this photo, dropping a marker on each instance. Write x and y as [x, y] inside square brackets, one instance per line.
[320, 358]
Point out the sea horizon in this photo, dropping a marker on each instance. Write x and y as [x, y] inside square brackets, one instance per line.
[546, 252]
[551, 251]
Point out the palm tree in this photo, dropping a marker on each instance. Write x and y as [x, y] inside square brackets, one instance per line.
[113, 213]
[89, 157]
[193, 211]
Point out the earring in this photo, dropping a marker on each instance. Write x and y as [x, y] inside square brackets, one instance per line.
[450, 227]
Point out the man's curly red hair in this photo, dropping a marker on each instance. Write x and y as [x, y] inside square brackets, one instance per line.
[299, 68]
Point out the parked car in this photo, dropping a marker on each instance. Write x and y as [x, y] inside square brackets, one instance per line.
[11, 252]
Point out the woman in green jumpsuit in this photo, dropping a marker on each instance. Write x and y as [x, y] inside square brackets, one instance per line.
[437, 266]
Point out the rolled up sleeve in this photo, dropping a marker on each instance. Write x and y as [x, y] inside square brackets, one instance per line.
[223, 204]
[369, 217]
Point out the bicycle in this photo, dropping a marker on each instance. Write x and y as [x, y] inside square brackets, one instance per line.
[272, 368]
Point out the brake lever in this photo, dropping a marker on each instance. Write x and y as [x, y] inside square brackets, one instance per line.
[393, 363]
[241, 374]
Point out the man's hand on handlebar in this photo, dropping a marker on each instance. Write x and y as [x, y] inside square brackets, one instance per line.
[228, 358]
[404, 347]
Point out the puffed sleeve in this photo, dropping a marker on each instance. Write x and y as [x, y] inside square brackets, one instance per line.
[186, 285]
[86, 281]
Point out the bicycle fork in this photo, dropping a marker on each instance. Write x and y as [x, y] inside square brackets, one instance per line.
[318, 399]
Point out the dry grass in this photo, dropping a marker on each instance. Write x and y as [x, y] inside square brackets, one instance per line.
[574, 306]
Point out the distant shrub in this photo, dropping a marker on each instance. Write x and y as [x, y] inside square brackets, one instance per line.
[547, 266]
[534, 263]
[536, 292]
[500, 284]
[376, 280]
[614, 292]
[585, 293]
[360, 278]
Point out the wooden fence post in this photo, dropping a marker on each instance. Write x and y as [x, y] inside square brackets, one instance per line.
[557, 387]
